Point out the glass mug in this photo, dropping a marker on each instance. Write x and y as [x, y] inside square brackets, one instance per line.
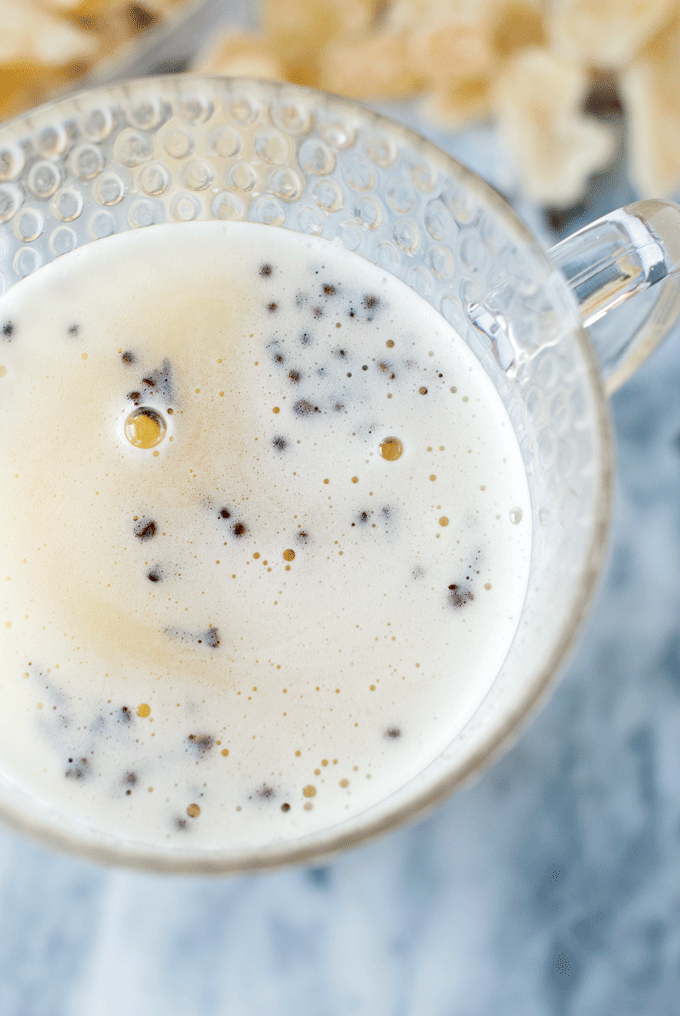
[183, 148]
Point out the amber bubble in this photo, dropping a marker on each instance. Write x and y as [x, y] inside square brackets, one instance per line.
[391, 449]
[145, 428]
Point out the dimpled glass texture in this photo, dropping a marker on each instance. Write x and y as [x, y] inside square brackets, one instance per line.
[177, 149]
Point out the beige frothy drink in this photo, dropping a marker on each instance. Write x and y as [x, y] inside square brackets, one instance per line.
[265, 536]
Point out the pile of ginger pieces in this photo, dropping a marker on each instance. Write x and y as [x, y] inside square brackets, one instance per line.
[539, 69]
[47, 45]
[554, 75]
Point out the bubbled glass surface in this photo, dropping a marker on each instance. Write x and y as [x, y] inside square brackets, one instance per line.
[178, 149]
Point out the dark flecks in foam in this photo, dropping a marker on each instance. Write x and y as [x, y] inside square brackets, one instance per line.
[210, 638]
[73, 330]
[128, 356]
[156, 574]
[125, 715]
[77, 769]
[285, 806]
[8, 330]
[135, 397]
[317, 312]
[161, 380]
[129, 780]
[266, 271]
[145, 529]
[237, 528]
[418, 571]
[200, 743]
[328, 290]
[180, 823]
[294, 376]
[386, 369]
[272, 307]
[305, 338]
[279, 443]
[302, 536]
[304, 408]
[393, 732]
[266, 792]
[459, 595]
[98, 724]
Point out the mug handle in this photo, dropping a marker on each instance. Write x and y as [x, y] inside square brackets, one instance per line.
[614, 258]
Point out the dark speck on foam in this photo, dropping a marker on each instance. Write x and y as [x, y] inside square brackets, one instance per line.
[77, 769]
[211, 638]
[145, 529]
[305, 408]
[459, 595]
[200, 743]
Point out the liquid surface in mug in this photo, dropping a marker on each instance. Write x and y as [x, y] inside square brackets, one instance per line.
[266, 535]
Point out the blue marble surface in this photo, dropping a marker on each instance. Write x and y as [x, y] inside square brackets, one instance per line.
[550, 887]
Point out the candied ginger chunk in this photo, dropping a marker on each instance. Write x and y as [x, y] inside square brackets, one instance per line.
[537, 101]
[605, 35]
[651, 94]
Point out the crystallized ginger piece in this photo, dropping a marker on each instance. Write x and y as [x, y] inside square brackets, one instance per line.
[460, 46]
[299, 31]
[515, 25]
[61, 5]
[32, 35]
[537, 99]
[651, 92]
[163, 8]
[444, 40]
[240, 55]
[605, 34]
[372, 67]
[457, 102]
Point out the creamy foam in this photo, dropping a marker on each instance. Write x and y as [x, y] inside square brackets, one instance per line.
[261, 555]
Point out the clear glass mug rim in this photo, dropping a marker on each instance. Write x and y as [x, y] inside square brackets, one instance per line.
[301, 851]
